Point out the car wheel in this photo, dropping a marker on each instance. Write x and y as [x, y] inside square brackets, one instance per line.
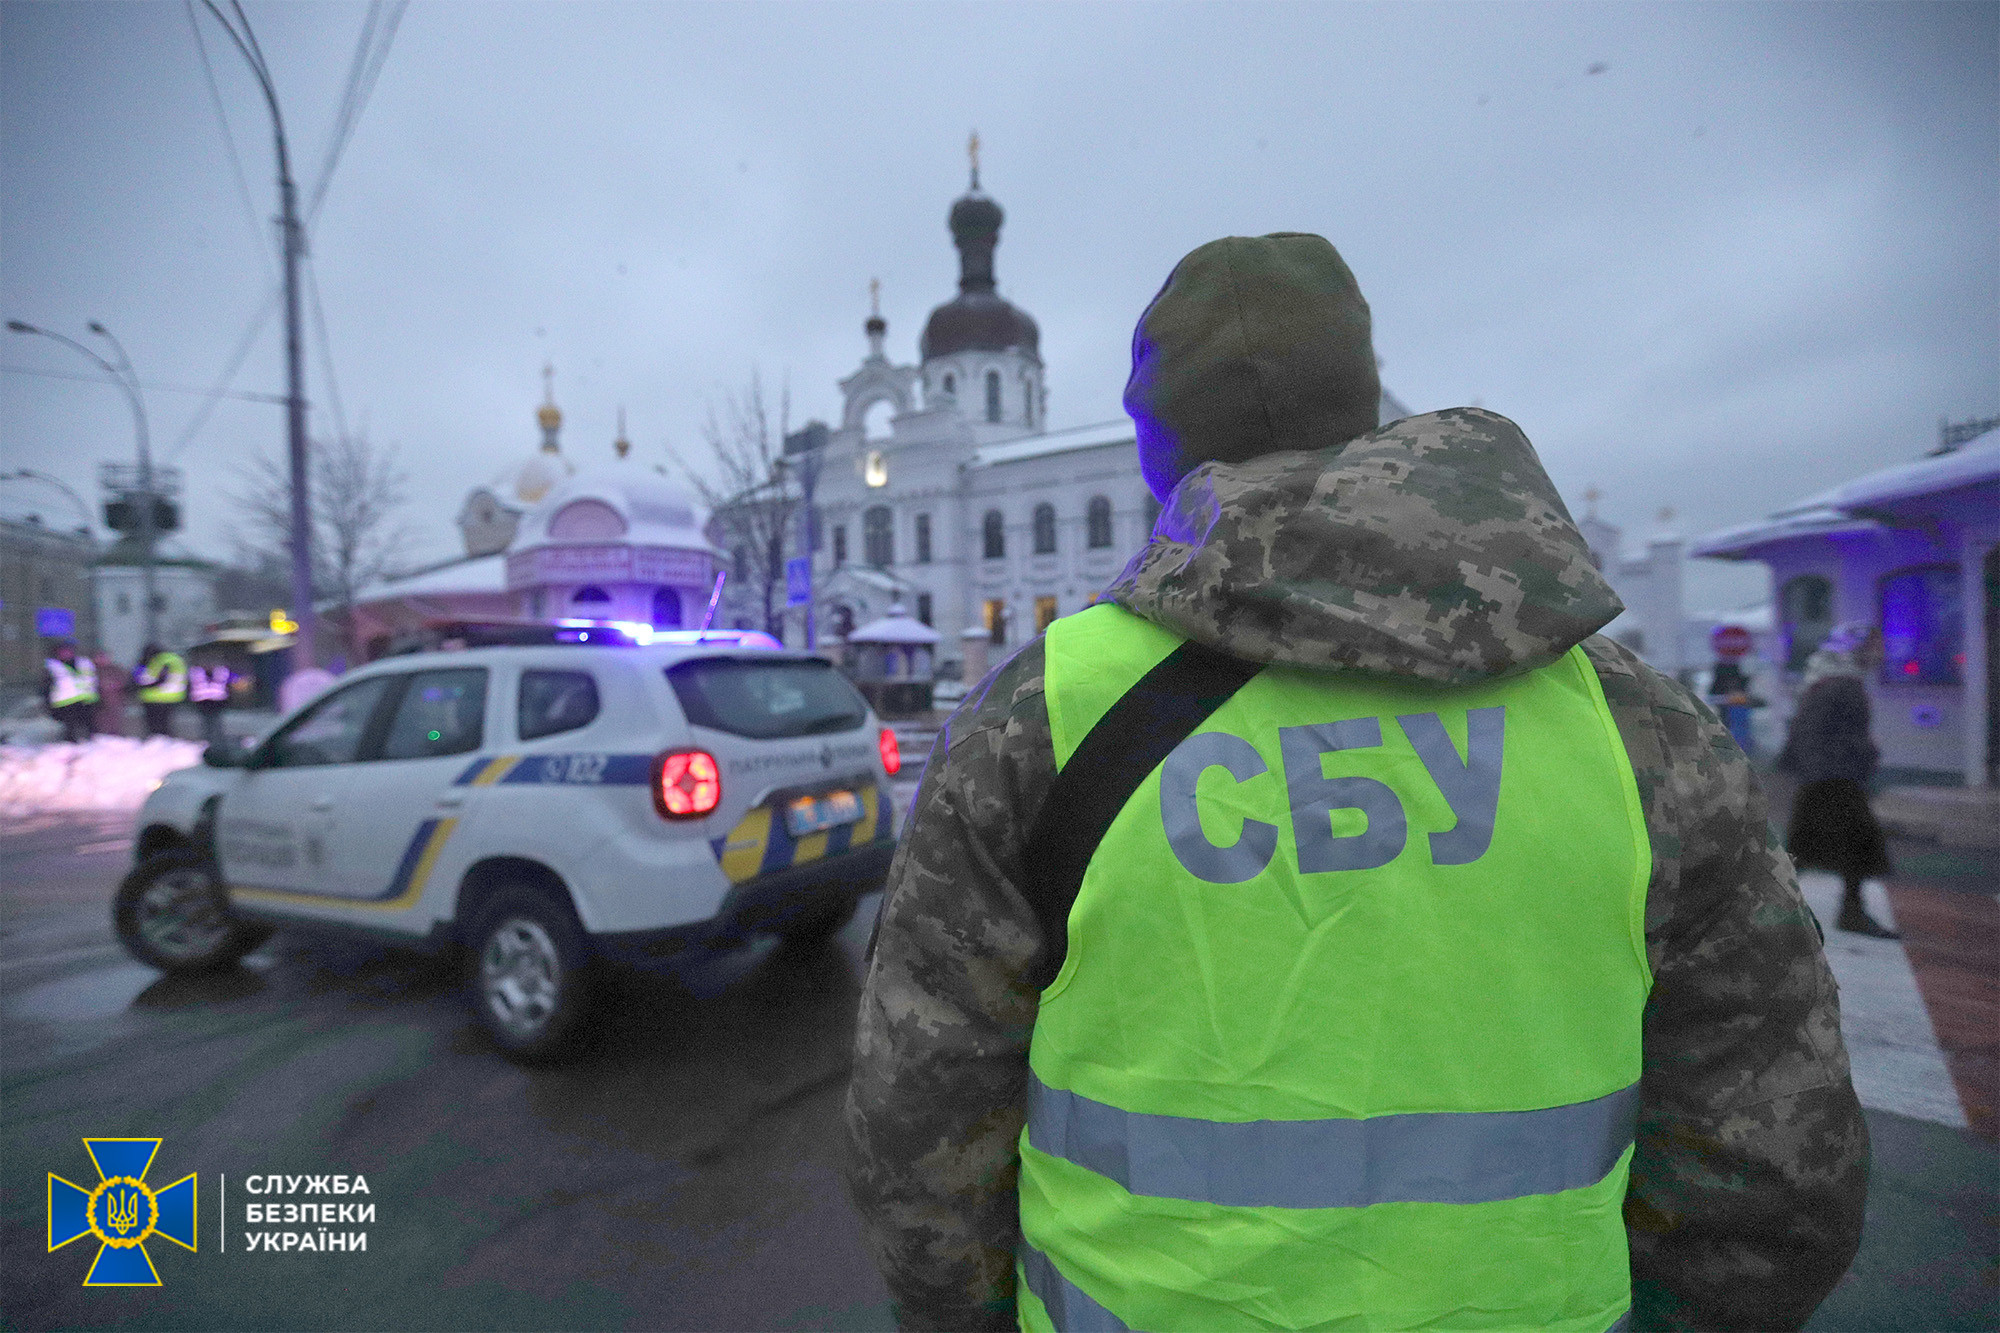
[529, 975]
[818, 922]
[171, 913]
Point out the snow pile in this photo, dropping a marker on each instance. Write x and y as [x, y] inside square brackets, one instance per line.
[102, 773]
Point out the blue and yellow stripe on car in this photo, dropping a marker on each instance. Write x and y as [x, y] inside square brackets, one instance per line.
[591, 768]
[487, 771]
[759, 843]
[412, 873]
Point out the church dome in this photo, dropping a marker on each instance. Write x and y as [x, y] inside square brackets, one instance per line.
[525, 483]
[983, 321]
[978, 318]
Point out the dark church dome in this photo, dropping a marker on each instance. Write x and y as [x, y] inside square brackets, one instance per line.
[978, 318]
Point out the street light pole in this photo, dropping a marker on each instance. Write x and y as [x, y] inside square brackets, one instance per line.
[129, 382]
[303, 646]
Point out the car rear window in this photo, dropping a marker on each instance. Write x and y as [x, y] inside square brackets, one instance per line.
[767, 700]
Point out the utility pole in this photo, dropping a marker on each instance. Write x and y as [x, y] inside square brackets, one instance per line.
[149, 505]
[304, 646]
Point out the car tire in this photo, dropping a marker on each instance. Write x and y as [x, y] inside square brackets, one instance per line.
[171, 913]
[528, 969]
[821, 921]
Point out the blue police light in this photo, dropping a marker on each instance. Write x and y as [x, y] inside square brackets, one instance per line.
[639, 633]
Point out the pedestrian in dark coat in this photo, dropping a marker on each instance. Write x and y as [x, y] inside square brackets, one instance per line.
[1832, 827]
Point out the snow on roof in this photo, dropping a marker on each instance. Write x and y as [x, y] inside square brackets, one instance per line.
[899, 626]
[1975, 462]
[1842, 509]
[486, 573]
[1058, 442]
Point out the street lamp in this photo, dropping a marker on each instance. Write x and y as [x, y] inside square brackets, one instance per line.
[127, 379]
[29, 474]
[295, 403]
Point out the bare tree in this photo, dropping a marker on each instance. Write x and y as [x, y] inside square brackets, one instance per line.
[357, 488]
[751, 497]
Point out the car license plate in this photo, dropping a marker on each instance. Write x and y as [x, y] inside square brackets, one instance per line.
[810, 814]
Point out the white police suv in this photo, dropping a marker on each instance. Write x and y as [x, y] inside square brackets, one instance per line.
[545, 805]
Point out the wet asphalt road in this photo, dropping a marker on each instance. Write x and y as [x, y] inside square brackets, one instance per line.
[685, 1173]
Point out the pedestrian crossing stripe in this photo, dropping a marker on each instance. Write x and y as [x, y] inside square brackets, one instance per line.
[759, 844]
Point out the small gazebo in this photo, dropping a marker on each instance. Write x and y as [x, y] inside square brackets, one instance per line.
[892, 659]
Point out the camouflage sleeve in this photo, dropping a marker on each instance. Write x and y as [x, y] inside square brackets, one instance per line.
[937, 1099]
[1747, 1186]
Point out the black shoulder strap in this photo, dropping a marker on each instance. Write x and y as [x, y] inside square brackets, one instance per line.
[1132, 738]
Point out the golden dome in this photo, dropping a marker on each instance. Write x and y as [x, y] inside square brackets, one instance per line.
[550, 416]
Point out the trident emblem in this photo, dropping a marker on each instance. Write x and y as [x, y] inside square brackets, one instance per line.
[123, 1207]
[121, 1212]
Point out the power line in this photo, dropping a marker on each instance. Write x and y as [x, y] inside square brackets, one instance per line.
[144, 384]
[228, 375]
[371, 51]
[326, 354]
[235, 159]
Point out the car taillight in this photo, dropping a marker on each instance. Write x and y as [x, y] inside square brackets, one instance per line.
[892, 758]
[686, 784]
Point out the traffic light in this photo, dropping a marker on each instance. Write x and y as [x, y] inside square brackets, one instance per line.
[124, 514]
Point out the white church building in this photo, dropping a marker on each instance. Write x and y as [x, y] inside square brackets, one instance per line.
[966, 509]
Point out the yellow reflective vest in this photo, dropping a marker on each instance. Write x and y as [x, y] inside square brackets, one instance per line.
[1348, 1031]
[164, 680]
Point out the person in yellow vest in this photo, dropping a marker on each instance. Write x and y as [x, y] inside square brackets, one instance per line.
[163, 687]
[1328, 927]
[69, 689]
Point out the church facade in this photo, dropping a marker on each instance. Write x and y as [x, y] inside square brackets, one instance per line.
[967, 510]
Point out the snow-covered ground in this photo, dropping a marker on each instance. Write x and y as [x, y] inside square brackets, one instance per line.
[102, 773]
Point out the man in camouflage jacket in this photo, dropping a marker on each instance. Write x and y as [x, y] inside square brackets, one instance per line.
[1434, 548]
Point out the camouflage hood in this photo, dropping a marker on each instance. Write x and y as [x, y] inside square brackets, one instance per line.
[1434, 547]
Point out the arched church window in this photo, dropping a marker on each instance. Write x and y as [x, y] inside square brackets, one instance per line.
[840, 543]
[924, 540]
[1098, 522]
[878, 537]
[590, 594]
[1045, 529]
[992, 395]
[1805, 612]
[994, 530]
[666, 608]
[950, 384]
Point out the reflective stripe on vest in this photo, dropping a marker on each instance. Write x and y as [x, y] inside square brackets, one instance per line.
[1348, 1029]
[71, 683]
[1428, 1157]
[1069, 1307]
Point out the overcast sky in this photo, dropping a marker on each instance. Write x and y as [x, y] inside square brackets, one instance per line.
[1755, 253]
